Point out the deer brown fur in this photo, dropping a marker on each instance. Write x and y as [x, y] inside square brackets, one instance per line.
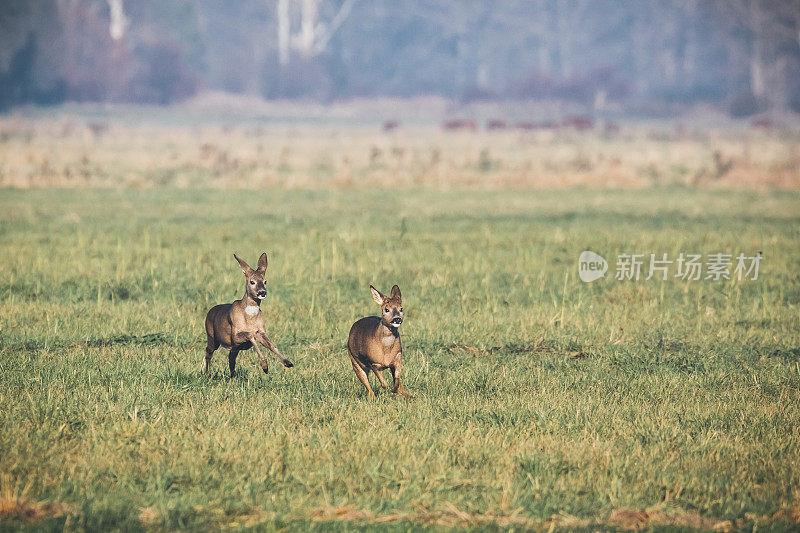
[239, 325]
[374, 342]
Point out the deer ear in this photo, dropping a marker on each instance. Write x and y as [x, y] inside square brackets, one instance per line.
[262, 263]
[245, 267]
[396, 293]
[377, 296]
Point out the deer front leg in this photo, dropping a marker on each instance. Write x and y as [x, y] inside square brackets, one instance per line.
[397, 384]
[261, 359]
[274, 349]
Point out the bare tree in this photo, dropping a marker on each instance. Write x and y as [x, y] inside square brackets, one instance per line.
[118, 23]
[773, 31]
[313, 35]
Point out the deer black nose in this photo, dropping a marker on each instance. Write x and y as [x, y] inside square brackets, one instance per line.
[262, 294]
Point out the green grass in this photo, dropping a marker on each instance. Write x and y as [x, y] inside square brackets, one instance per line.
[684, 398]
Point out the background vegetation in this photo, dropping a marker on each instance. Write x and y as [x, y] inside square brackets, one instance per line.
[261, 145]
[644, 58]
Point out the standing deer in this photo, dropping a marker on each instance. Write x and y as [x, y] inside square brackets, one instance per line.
[239, 325]
[374, 342]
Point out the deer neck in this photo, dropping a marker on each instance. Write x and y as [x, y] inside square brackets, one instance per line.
[251, 305]
[387, 333]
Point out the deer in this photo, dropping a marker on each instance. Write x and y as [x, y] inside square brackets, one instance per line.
[374, 343]
[239, 325]
[460, 124]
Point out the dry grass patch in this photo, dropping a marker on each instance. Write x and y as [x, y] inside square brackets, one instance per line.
[15, 506]
[450, 516]
[640, 519]
[74, 152]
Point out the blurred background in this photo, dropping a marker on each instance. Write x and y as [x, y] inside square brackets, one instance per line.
[647, 58]
[330, 93]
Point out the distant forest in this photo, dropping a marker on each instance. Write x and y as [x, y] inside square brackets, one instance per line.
[741, 55]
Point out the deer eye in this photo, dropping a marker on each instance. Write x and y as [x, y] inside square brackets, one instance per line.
[252, 282]
[386, 309]
[401, 309]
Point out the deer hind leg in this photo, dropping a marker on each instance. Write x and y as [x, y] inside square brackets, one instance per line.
[380, 378]
[361, 374]
[210, 347]
[232, 361]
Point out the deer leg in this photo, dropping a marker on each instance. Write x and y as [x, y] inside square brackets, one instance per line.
[274, 349]
[232, 361]
[380, 378]
[397, 384]
[361, 374]
[210, 347]
[261, 360]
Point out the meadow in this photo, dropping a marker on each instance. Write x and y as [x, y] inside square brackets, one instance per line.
[541, 401]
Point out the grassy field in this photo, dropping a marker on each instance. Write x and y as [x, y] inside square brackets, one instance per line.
[541, 401]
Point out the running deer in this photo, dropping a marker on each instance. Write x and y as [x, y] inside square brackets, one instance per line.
[239, 325]
[374, 342]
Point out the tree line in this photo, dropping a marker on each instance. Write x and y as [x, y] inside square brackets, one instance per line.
[740, 54]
